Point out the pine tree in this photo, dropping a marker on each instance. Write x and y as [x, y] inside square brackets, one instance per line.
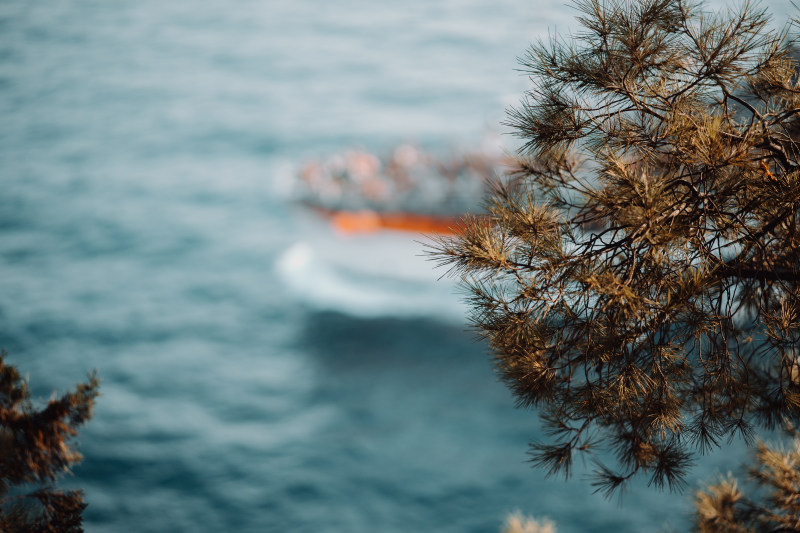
[638, 276]
[35, 452]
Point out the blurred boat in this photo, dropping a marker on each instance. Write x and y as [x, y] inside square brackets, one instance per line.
[368, 221]
[409, 191]
[394, 205]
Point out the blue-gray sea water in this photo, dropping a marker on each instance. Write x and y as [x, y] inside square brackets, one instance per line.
[259, 372]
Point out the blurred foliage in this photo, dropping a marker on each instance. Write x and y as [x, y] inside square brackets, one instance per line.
[518, 523]
[773, 503]
[35, 452]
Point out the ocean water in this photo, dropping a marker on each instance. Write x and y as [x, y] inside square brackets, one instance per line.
[260, 372]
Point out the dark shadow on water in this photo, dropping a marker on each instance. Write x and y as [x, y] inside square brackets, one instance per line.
[408, 369]
[338, 339]
[416, 361]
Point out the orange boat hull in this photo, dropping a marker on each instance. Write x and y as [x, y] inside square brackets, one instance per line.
[353, 222]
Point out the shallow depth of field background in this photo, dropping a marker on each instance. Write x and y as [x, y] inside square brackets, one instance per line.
[260, 372]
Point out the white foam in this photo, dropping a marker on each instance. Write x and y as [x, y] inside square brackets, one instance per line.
[356, 285]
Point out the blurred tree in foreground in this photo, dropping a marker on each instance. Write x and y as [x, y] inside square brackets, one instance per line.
[34, 452]
[518, 523]
[775, 505]
[639, 277]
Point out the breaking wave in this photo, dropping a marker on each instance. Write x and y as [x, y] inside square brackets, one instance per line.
[358, 284]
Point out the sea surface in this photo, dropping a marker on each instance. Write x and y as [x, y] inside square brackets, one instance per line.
[261, 372]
